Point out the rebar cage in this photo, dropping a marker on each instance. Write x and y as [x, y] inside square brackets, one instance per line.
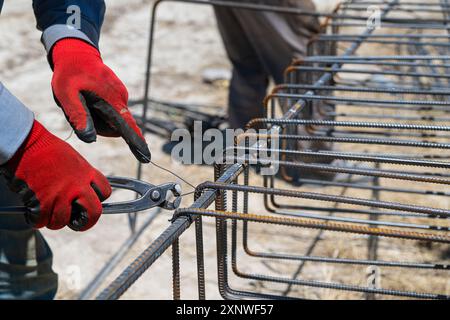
[363, 143]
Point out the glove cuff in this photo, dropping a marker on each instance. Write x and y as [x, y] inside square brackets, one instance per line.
[38, 138]
[71, 48]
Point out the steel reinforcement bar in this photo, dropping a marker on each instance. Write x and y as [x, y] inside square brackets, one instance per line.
[170, 236]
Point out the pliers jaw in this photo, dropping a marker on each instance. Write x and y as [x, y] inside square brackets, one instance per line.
[166, 196]
[150, 196]
[175, 190]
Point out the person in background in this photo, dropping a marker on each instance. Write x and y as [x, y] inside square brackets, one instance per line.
[260, 46]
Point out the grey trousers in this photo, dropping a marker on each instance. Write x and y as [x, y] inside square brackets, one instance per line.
[25, 258]
[260, 46]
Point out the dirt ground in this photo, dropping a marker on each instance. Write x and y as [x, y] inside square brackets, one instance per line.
[187, 43]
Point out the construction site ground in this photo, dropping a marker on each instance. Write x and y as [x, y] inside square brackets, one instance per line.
[187, 44]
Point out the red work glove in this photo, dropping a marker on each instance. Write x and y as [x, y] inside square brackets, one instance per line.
[93, 99]
[53, 180]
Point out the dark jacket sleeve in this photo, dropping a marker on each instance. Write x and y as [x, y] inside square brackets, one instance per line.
[52, 18]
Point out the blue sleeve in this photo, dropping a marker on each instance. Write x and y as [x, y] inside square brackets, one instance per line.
[15, 124]
[52, 18]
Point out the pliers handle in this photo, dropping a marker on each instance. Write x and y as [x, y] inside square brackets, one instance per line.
[150, 196]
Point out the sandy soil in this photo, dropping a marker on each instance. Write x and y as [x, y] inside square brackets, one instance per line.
[187, 43]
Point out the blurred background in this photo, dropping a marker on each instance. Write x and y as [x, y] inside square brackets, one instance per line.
[187, 45]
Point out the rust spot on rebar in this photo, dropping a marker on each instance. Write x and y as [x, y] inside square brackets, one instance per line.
[318, 224]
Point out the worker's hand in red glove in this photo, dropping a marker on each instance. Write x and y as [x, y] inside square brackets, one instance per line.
[53, 180]
[93, 99]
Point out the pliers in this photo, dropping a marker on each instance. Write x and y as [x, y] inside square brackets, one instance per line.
[150, 196]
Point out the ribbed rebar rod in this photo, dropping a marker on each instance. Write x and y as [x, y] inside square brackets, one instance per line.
[174, 231]
[327, 198]
[315, 224]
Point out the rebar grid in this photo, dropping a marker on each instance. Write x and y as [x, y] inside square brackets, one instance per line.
[382, 183]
